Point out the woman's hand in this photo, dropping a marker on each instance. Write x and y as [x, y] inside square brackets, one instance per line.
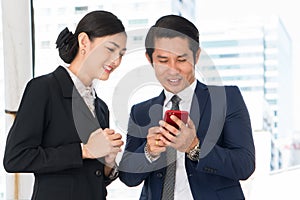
[102, 143]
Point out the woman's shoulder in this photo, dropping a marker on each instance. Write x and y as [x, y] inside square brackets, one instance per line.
[41, 83]
[59, 72]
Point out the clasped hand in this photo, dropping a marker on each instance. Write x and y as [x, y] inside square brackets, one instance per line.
[160, 137]
[103, 143]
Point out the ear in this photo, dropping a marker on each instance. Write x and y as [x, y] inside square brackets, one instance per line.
[197, 55]
[83, 40]
[148, 58]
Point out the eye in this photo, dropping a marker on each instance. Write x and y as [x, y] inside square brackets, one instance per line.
[163, 61]
[181, 60]
[110, 49]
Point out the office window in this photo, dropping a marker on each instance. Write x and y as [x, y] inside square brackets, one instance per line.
[81, 9]
[137, 22]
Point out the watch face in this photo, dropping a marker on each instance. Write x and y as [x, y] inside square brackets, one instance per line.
[194, 154]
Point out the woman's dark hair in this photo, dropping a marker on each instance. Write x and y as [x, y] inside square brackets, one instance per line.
[95, 24]
[171, 26]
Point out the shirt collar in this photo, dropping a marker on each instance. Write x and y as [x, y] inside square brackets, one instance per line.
[81, 88]
[186, 95]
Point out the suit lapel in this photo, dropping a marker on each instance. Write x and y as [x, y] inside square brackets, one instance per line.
[199, 102]
[156, 107]
[208, 113]
[65, 81]
[101, 113]
[78, 103]
[84, 121]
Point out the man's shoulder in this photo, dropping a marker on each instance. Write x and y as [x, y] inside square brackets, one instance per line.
[147, 103]
[225, 88]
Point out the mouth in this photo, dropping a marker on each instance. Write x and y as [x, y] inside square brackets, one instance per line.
[108, 68]
[174, 81]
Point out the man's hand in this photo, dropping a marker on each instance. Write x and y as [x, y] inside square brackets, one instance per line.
[181, 139]
[154, 144]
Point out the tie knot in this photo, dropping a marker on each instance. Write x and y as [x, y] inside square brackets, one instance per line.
[175, 102]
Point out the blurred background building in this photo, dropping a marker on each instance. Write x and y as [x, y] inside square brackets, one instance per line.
[255, 54]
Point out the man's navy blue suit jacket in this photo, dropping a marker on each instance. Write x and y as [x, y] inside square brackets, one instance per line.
[227, 148]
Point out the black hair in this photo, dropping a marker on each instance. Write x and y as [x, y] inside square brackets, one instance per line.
[171, 26]
[95, 24]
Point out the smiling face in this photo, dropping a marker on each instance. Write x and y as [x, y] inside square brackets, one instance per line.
[102, 56]
[173, 63]
[106, 55]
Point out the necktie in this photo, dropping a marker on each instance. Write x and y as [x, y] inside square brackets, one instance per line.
[169, 182]
[175, 102]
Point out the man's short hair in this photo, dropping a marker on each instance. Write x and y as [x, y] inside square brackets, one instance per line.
[171, 26]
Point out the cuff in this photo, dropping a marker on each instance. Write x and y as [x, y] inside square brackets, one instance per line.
[114, 173]
[149, 157]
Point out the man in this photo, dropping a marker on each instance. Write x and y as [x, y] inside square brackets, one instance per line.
[214, 149]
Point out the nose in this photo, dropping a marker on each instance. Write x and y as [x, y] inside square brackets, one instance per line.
[116, 61]
[173, 68]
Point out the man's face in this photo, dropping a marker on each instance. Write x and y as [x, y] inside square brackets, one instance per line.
[173, 63]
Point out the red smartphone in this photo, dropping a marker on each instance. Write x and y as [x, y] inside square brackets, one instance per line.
[182, 115]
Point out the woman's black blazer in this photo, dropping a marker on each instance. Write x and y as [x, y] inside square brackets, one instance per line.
[45, 138]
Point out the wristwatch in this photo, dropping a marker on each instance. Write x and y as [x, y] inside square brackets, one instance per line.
[194, 153]
[114, 172]
[151, 158]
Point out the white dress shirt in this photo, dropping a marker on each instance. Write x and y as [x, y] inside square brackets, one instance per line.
[182, 186]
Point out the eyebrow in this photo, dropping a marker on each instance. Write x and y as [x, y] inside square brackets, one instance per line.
[116, 45]
[159, 56]
[183, 55]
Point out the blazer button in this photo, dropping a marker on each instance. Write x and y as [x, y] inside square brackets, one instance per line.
[159, 175]
[98, 172]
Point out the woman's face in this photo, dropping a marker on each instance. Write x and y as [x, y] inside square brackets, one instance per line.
[104, 55]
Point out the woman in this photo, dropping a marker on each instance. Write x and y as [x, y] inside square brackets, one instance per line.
[61, 129]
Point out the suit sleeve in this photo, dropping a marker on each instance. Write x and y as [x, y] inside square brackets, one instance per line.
[233, 156]
[24, 151]
[134, 166]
